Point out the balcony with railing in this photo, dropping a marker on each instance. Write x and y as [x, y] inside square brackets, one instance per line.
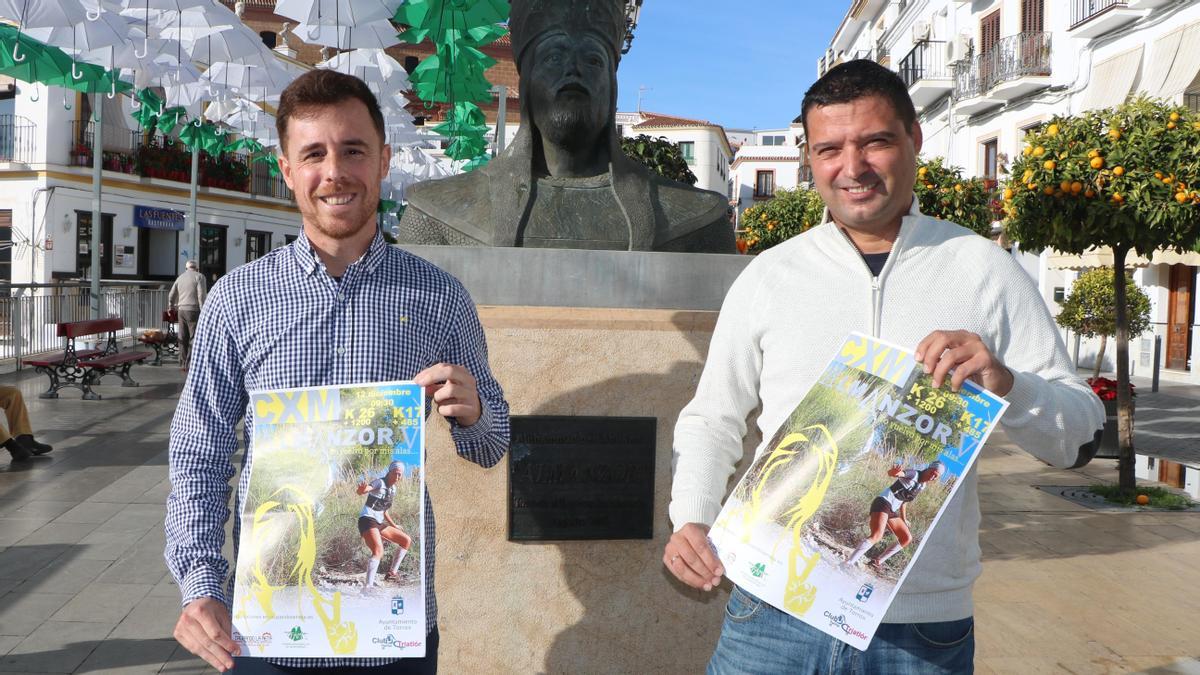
[1090, 18]
[152, 155]
[17, 139]
[1015, 66]
[925, 73]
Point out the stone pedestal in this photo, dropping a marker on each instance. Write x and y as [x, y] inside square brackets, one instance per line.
[575, 607]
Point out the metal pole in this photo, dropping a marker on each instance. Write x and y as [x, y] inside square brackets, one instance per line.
[501, 118]
[97, 166]
[1157, 362]
[195, 217]
[1075, 356]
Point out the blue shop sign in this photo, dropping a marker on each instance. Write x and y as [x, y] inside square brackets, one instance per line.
[158, 219]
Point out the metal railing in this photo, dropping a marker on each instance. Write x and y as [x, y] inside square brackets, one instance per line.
[1192, 101]
[29, 312]
[123, 151]
[927, 60]
[1016, 56]
[1083, 10]
[17, 139]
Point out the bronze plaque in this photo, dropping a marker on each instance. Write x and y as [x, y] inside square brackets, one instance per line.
[578, 478]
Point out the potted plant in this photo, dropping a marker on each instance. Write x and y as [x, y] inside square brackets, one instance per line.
[1106, 390]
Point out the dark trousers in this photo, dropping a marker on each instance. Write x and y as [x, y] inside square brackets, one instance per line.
[427, 665]
[187, 331]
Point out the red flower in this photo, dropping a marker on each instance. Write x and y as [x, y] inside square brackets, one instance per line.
[1106, 389]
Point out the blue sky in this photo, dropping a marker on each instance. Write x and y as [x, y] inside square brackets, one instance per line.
[738, 64]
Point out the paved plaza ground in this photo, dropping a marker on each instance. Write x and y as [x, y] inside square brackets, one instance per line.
[83, 587]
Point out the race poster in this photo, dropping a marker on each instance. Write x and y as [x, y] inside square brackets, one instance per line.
[829, 518]
[332, 525]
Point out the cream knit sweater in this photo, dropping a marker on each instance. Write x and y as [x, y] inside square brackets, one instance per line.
[782, 322]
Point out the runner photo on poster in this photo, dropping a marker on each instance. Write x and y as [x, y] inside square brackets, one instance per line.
[826, 522]
[332, 527]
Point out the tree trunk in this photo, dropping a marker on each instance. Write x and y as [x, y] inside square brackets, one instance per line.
[1126, 478]
[1100, 356]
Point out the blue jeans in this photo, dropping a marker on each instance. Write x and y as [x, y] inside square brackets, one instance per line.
[757, 639]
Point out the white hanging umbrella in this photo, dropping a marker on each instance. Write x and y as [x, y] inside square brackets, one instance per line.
[43, 13]
[230, 44]
[336, 12]
[161, 10]
[88, 40]
[410, 166]
[373, 34]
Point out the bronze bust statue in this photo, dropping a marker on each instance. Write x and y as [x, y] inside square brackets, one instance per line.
[564, 182]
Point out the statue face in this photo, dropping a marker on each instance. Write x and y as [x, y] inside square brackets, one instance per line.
[570, 89]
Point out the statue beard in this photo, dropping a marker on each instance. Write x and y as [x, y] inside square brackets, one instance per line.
[570, 125]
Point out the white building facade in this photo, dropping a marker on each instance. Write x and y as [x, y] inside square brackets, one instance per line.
[982, 73]
[773, 159]
[704, 145]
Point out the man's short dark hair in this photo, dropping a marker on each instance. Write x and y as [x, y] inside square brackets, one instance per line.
[856, 79]
[322, 87]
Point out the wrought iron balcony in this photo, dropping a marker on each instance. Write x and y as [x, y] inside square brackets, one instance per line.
[1083, 10]
[1012, 59]
[17, 139]
[926, 61]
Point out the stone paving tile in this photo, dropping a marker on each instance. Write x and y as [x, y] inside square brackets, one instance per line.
[13, 530]
[135, 518]
[153, 619]
[93, 513]
[21, 562]
[107, 545]
[128, 656]
[103, 603]
[22, 613]
[58, 533]
[64, 575]
[167, 588]
[182, 662]
[55, 647]
[7, 642]
[40, 508]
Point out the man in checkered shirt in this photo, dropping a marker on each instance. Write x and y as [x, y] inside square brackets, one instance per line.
[337, 306]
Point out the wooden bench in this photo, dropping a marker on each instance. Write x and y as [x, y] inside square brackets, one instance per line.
[163, 342]
[82, 368]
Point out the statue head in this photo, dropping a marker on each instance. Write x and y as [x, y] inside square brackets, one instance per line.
[566, 52]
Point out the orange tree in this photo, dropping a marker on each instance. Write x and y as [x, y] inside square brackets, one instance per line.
[1125, 178]
[778, 219]
[942, 192]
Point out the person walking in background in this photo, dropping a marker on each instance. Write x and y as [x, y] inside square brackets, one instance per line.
[186, 298]
[16, 434]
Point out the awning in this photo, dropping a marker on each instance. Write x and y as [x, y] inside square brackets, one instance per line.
[1103, 257]
[1112, 79]
[1174, 62]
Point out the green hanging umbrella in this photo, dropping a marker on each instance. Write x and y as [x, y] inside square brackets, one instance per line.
[454, 73]
[469, 22]
[38, 62]
[91, 79]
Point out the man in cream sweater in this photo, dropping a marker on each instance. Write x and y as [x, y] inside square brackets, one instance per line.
[880, 267]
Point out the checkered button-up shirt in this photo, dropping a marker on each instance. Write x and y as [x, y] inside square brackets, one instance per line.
[281, 322]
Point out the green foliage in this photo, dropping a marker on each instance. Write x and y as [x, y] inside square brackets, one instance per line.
[780, 218]
[1091, 308]
[1124, 177]
[660, 156]
[1160, 498]
[943, 193]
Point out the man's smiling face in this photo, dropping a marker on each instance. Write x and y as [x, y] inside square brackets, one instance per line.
[334, 162]
[864, 163]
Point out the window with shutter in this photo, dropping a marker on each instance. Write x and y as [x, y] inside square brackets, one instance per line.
[1032, 16]
[989, 32]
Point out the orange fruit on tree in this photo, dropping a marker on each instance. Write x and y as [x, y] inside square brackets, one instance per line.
[1090, 193]
[1049, 165]
[1008, 194]
[1118, 171]
[1181, 197]
[922, 171]
[1114, 134]
[1097, 162]
[1027, 150]
[1117, 198]
[1048, 190]
[1052, 130]
[1065, 186]
[1171, 125]
[1158, 175]
[1093, 153]
[1039, 151]
[1076, 187]
[1143, 499]
[1174, 117]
